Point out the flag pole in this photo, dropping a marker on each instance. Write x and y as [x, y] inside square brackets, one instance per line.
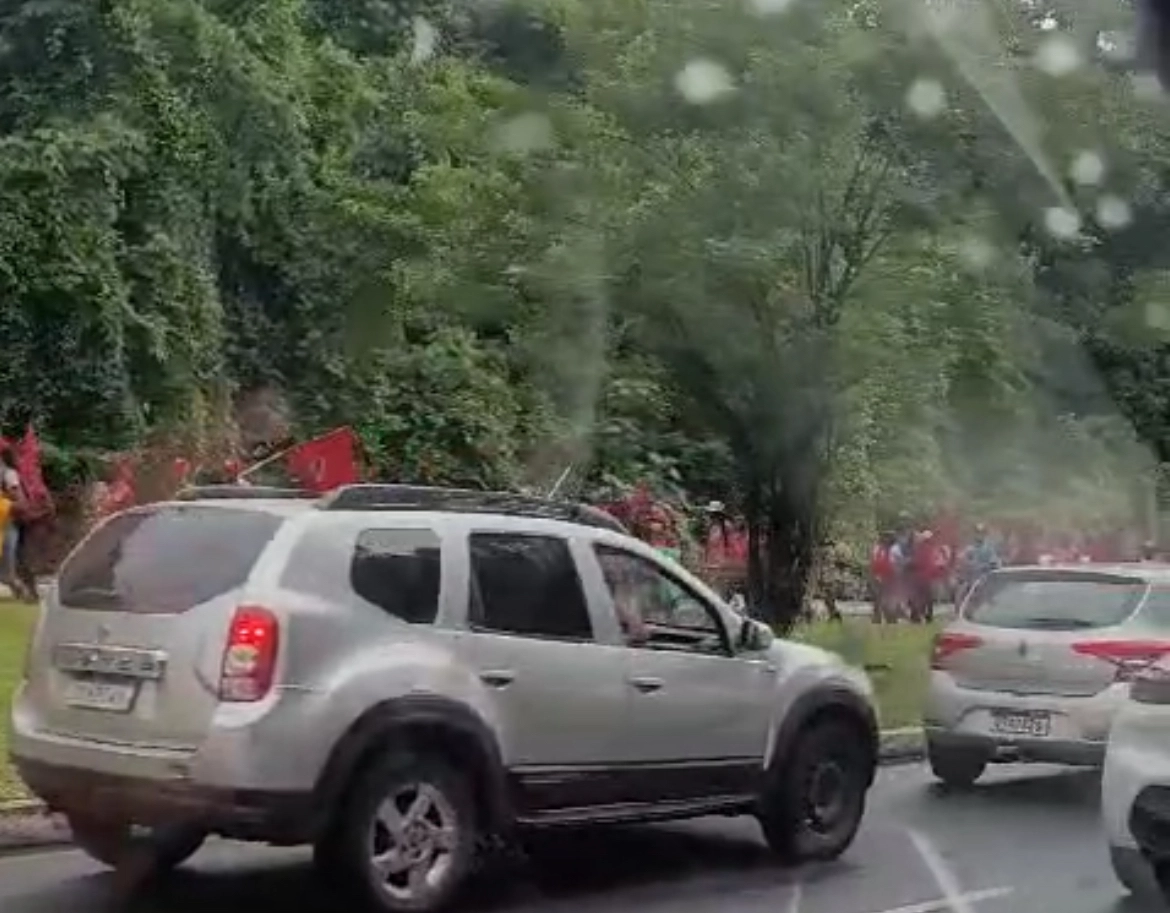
[280, 454]
[552, 492]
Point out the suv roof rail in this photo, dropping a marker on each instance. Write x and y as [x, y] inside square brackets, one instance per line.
[243, 493]
[463, 500]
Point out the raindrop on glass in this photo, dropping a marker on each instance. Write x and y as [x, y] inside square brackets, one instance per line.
[1062, 222]
[1146, 86]
[1116, 47]
[426, 40]
[1088, 169]
[926, 98]
[976, 253]
[1058, 56]
[1113, 212]
[524, 133]
[771, 7]
[703, 81]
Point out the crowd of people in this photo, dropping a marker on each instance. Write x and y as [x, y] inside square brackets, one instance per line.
[915, 566]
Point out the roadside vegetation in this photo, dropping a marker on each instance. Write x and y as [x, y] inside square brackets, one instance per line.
[895, 656]
[16, 625]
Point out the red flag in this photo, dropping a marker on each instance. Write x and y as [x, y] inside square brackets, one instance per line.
[120, 492]
[326, 462]
[28, 464]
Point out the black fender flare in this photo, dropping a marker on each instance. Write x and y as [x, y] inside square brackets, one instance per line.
[404, 720]
[824, 699]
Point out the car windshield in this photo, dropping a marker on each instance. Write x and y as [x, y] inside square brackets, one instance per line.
[1053, 602]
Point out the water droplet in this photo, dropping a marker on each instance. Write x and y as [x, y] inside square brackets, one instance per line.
[1058, 56]
[926, 98]
[1117, 47]
[1146, 86]
[523, 134]
[426, 40]
[976, 253]
[1088, 169]
[1113, 212]
[771, 7]
[703, 81]
[1062, 222]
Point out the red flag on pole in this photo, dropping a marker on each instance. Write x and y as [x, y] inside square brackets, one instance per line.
[28, 464]
[326, 462]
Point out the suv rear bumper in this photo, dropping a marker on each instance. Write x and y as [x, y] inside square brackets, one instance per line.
[282, 818]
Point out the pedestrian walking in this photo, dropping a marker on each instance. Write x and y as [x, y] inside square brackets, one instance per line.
[12, 507]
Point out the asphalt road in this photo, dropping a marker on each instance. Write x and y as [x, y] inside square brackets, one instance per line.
[1024, 841]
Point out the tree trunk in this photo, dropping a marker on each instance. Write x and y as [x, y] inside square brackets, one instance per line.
[790, 547]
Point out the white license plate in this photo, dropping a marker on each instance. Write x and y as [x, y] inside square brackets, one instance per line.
[113, 697]
[1036, 725]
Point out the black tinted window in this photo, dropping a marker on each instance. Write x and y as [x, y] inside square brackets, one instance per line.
[527, 585]
[398, 570]
[166, 561]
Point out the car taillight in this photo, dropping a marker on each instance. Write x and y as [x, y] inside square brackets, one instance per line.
[948, 644]
[249, 659]
[1130, 657]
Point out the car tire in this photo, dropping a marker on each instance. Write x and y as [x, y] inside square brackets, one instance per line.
[112, 842]
[954, 766]
[814, 806]
[406, 838]
[1136, 874]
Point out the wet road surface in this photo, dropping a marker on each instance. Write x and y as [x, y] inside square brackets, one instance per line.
[1025, 840]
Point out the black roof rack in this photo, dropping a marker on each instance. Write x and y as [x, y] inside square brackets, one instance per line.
[243, 493]
[422, 497]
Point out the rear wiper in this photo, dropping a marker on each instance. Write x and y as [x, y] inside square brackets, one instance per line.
[96, 593]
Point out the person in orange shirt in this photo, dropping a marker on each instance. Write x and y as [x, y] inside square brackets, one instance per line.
[8, 536]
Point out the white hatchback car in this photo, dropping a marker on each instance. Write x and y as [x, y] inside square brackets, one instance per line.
[1135, 792]
[1039, 662]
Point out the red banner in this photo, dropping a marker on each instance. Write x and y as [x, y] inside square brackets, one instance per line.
[28, 464]
[326, 462]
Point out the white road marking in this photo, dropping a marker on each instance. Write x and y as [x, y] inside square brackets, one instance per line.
[795, 898]
[943, 903]
[956, 900]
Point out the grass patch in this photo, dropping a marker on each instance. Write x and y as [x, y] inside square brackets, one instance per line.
[16, 625]
[895, 656]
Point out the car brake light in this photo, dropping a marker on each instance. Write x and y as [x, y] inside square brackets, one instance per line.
[1130, 657]
[249, 659]
[948, 644]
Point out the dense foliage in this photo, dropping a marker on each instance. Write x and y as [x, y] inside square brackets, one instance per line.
[823, 261]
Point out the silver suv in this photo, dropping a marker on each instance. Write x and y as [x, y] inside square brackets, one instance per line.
[398, 675]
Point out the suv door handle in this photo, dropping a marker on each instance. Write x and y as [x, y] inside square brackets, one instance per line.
[497, 678]
[646, 684]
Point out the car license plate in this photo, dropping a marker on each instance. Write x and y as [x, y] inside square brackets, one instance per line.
[113, 697]
[1035, 725]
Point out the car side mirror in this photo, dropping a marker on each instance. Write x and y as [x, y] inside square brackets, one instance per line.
[755, 636]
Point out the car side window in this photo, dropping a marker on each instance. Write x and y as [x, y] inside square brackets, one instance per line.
[398, 571]
[527, 585]
[657, 611]
[1155, 612]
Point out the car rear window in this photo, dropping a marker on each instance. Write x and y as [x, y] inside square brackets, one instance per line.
[167, 560]
[1058, 602]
